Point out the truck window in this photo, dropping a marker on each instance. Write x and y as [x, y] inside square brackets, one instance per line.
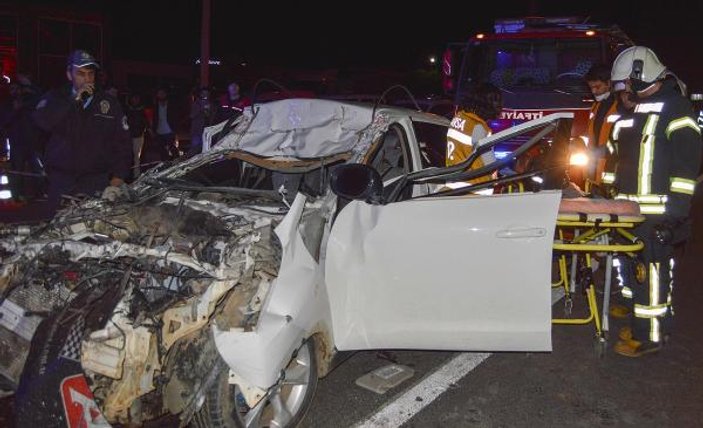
[540, 62]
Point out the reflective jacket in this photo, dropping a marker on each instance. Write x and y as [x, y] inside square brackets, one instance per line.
[463, 137]
[658, 150]
[599, 120]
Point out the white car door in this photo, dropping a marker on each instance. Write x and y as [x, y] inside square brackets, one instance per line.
[451, 273]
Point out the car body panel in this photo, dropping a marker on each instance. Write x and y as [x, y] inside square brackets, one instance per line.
[459, 273]
[295, 304]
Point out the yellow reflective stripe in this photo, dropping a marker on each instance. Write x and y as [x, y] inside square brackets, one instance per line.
[460, 137]
[654, 284]
[645, 199]
[684, 122]
[627, 123]
[642, 311]
[682, 185]
[649, 204]
[649, 107]
[610, 146]
[655, 308]
[651, 124]
[654, 330]
[644, 185]
[612, 118]
[608, 178]
[652, 209]
[626, 292]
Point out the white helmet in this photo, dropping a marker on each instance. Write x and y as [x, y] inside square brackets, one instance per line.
[637, 63]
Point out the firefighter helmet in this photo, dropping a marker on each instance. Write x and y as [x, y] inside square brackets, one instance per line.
[637, 63]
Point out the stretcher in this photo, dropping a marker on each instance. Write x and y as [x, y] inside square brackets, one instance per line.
[586, 227]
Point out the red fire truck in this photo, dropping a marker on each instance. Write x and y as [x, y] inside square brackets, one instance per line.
[539, 64]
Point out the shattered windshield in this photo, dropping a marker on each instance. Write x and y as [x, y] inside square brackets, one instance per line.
[231, 174]
[532, 63]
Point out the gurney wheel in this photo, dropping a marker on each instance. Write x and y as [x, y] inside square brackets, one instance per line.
[600, 346]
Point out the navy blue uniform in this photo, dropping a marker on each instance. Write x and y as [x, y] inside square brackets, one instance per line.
[89, 144]
[658, 149]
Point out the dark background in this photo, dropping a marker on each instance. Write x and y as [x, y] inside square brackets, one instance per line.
[372, 34]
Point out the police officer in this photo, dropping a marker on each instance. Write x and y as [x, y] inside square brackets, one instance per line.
[89, 146]
[658, 149]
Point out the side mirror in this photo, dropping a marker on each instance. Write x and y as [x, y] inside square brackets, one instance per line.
[357, 181]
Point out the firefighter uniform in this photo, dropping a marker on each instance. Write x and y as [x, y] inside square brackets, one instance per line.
[464, 137]
[89, 142]
[658, 148]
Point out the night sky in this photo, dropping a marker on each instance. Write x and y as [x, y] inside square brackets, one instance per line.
[367, 34]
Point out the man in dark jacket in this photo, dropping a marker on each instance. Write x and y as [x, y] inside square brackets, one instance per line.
[89, 147]
[24, 137]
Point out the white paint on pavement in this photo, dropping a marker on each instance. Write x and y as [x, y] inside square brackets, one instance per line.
[406, 406]
[416, 398]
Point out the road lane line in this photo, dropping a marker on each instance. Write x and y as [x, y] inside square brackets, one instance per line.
[411, 402]
[396, 413]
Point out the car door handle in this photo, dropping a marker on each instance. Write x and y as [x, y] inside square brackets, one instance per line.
[525, 232]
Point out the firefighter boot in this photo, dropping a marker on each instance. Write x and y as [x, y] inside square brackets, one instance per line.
[625, 333]
[634, 348]
[619, 311]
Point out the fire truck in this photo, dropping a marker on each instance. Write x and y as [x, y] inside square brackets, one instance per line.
[538, 63]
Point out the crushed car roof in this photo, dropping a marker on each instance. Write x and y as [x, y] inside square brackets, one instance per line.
[306, 128]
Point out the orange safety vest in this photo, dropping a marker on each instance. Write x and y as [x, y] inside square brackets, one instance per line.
[606, 126]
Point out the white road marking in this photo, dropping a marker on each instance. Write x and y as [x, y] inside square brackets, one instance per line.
[416, 398]
[399, 411]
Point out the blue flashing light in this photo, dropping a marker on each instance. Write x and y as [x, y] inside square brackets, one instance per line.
[501, 154]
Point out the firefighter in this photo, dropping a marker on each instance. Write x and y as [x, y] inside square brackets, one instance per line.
[481, 103]
[600, 117]
[658, 154]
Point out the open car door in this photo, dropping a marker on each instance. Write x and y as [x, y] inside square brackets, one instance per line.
[451, 270]
[452, 273]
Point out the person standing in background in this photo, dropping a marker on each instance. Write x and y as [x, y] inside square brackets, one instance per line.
[163, 127]
[231, 104]
[136, 118]
[600, 119]
[202, 114]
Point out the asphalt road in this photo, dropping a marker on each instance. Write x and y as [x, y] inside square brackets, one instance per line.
[574, 385]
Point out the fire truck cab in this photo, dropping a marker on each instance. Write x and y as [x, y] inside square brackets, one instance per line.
[538, 63]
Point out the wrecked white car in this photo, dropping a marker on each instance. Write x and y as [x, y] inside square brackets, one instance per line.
[218, 290]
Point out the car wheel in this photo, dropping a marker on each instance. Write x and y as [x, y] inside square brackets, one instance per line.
[284, 406]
